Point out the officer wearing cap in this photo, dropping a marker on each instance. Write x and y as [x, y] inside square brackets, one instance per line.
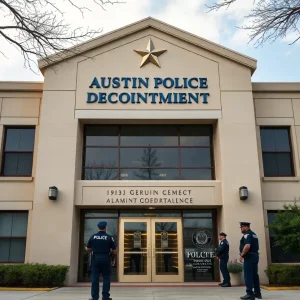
[101, 245]
[222, 253]
[249, 247]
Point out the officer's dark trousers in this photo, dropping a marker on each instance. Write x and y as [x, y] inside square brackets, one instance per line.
[224, 271]
[101, 266]
[251, 274]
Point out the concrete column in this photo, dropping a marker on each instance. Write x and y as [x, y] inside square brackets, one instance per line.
[52, 221]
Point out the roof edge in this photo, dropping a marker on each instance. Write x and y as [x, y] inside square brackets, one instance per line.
[21, 86]
[279, 87]
[141, 25]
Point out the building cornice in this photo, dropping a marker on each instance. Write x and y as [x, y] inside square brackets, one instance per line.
[277, 87]
[21, 86]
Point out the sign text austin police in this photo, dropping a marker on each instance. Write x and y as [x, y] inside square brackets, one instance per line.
[153, 96]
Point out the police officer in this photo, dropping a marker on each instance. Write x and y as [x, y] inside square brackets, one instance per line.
[101, 245]
[249, 247]
[222, 253]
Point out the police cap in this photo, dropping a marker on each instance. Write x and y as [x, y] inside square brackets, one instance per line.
[223, 234]
[102, 224]
[245, 223]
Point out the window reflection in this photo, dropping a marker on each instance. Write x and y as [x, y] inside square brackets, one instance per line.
[149, 157]
[148, 152]
[101, 135]
[19, 139]
[149, 135]
[191, 135]
[195, 157]
[101, 157]
[135, 248]
[166, 248]
[196, 174]
[276, 151]
[199, 245]
[101, 174]
[18, 152]
[13, 232]
[149, 174]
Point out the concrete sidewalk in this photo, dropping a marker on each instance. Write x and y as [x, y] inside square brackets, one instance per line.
[149, 293]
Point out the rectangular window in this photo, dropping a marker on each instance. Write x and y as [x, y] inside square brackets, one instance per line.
[13, 232]
[18, 152]
[277, 254]
[144, 152]
[276, 152]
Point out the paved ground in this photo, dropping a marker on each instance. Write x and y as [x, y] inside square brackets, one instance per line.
[145, 293]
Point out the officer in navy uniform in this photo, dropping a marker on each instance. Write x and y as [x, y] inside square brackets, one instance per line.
[222, 253]
[101, 245]
[249, 247]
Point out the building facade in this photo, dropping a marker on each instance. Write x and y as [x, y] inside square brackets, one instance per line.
[154, 130]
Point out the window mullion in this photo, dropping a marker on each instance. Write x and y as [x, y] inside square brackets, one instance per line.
[10, 240]
[20, 132]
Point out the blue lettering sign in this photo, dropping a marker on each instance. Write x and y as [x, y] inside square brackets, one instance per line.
[92, 98]
[182, 98]
[116, 82]
[157, 82]
[102, 98]
[205, 95]
[203, 83]
[109, 98]
[95, 83]
[133, 83]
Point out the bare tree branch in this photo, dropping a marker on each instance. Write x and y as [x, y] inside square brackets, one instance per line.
[38, 28]
[269, 20]
[218, 5]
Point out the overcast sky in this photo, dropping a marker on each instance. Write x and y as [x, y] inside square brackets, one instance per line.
[276, 62]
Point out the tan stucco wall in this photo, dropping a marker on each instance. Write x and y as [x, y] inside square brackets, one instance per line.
[55, 166]
[236, 162]
[239, 167]
[279, 108]
[19, 106]
[107, 63]
[59, 139]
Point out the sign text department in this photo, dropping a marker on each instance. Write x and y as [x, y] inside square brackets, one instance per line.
[152, 97]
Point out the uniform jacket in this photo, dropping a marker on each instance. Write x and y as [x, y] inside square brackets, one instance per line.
[223, 250]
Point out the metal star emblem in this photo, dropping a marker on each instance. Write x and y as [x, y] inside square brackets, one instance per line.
[151, 55]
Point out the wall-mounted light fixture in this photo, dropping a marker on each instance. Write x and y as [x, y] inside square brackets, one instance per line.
[243, 190]
[53, 192]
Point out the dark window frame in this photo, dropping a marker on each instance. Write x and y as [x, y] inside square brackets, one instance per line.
[15, 237]
[291, 153]
[178, 146]
[4, 151]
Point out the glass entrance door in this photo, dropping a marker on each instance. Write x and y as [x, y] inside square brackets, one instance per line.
[150, 250]
[135, 250]
[167, 263]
